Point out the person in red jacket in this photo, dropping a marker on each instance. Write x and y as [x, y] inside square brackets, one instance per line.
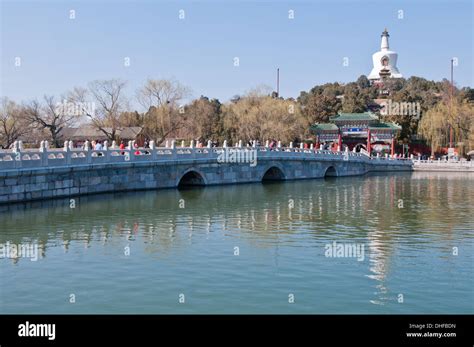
[137, 152]
[122, 147]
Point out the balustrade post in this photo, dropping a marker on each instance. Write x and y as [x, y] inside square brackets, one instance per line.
[17, 154]
[173, 149]
[67, 152]
[152, 150]
[131, 154]
[106, 151]
[71, 149]
[43, 153]
[16, 147]
[192, 148]
[86, 149]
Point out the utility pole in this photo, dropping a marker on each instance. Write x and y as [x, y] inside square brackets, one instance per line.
[278, 82]
[451, 107]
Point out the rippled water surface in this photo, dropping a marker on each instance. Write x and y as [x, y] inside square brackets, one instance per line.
[248, 249]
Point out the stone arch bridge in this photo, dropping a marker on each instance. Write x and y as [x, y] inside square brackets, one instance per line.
[40, 174]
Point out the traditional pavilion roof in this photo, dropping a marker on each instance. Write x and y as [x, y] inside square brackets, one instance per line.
[90, 132]
[385, 126]
[324, 127]
[344, 117]
[370, 119]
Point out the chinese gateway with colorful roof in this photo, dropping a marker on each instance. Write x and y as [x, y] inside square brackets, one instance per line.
[357, 131]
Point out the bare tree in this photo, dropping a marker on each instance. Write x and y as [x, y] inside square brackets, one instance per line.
[109, 102]
[49, 116]
[161, 93]
[79, 98]
[13, 123]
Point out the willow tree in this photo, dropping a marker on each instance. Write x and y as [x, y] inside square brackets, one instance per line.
[256, 116]
[435, 125]
[463, 120]
[164, 115]
[204, 119]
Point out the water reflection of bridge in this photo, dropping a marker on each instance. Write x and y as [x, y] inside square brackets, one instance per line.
[339, 200]
[377, 210]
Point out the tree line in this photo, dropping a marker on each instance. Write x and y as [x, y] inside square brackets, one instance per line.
[166, 112]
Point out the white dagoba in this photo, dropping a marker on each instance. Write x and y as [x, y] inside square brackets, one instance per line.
[385, 61]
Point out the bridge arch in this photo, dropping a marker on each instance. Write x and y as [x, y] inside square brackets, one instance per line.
[273, 172]
[330, 171]
[191, 177]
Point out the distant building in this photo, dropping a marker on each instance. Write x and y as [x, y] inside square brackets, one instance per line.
[34, 137]
[80, 134]
[384, 61]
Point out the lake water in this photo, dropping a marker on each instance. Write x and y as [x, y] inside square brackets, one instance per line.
[253, 248]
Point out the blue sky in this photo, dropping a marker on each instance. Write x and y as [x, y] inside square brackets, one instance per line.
[58, 53]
